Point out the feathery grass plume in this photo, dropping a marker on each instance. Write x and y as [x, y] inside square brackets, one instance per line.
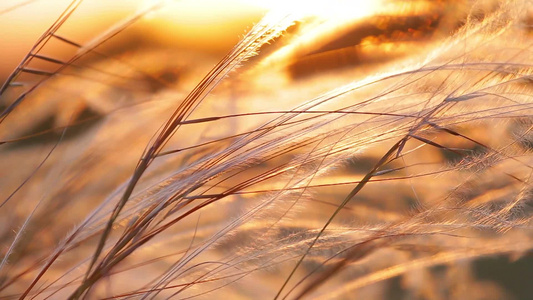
[331, 153]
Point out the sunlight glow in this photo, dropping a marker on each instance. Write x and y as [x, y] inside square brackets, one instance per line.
[352, 9]
[327, 9]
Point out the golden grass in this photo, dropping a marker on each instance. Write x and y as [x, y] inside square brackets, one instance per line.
[387, 155]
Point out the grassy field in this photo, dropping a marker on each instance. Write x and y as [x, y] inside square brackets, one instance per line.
[248, 150]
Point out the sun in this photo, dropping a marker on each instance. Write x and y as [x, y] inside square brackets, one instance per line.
[352, 9]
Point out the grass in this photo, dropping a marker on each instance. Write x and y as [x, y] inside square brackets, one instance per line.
[383, 156]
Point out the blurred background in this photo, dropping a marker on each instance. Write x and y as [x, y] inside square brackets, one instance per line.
[207, 26]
